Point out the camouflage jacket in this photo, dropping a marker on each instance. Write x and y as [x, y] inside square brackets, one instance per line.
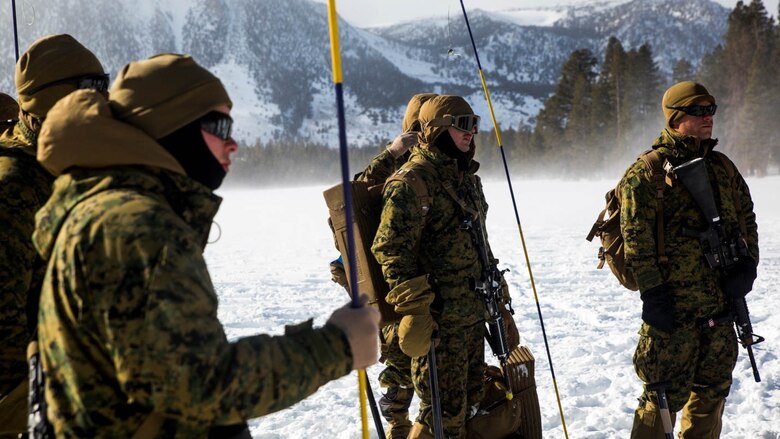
[432, 256]
[128, 319]
[695, 285]
[381, 167]
[24, 188]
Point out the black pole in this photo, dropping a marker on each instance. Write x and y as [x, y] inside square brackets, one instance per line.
[16, 33]
[433, 377]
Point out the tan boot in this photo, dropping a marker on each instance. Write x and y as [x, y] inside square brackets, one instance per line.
[647, 422]
[394, 405]
[420, 431]
[702, 418]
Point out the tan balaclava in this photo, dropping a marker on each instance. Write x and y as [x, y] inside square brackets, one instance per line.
[9, 109]
[682, 94]
[50, 60]
[161, 94]
[411, 122]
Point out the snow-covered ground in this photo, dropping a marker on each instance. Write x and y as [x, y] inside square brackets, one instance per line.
[270, 268]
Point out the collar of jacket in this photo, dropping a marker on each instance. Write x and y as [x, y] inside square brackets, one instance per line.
[193, 202]
[446, 166]
[683, 148]
[20, 137]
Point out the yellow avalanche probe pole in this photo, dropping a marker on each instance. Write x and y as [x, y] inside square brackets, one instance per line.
[517, 216]
[335, 56]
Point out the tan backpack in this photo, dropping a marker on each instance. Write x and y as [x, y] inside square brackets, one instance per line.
[366, 212]
[607, 225]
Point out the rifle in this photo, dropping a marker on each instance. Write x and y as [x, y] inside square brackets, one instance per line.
[489, 290]
[721, 248]
[38, 426]
[433, 378]
[663, 406]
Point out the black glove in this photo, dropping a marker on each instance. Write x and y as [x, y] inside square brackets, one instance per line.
[738, 280]
[658, 308]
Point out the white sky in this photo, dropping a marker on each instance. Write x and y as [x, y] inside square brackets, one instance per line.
[365, 13]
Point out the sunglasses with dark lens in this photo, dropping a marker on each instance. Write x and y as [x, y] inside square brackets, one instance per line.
[466, 122]
[217, 123]
[697, 110]
[95, 82]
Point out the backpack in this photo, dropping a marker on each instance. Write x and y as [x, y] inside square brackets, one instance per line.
[607, 228]
[366, 213]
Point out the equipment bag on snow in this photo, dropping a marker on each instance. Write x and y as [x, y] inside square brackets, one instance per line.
[519, 417]
[366, 213]
[607, 225]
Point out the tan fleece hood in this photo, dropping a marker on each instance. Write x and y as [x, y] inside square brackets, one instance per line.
[411, 122]
[81, 131]
[9, 109]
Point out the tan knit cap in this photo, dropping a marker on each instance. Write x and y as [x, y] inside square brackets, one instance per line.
[50, 59]
[9, 109]
[682, 94]
[161, 94]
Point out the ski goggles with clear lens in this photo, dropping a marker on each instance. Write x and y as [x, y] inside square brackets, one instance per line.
[468, 123]
[217, 123]
[97, 82]
[697, 110]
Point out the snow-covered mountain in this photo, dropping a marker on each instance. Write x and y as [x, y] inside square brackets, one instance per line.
[274, 56]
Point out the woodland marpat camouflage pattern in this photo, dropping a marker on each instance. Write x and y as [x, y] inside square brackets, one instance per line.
[24, 188]
[695, 358]
[128, 318]
[438, 258]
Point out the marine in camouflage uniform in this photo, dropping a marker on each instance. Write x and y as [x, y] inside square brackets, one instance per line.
[128, 315]
[679, 296]
[428, 264]
[396, 376]
[24, 188]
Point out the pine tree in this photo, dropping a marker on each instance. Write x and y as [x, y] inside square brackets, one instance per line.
[682, 71]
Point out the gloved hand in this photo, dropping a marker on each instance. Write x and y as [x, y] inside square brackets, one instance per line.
[658, 308]
[738, 281]
[361, 326]
[401, 144]
[414, 334]
[338, 274]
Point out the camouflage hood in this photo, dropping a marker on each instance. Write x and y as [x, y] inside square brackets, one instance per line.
[80, 131]
[683, 148]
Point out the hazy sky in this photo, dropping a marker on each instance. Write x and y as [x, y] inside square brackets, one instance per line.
[364, 13]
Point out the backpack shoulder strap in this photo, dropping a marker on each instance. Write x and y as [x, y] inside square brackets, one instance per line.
[655, 162]
[731, 171]
[412, 174]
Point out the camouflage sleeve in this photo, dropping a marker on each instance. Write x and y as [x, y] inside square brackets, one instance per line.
[397, 239]
[171, 353]
[637, 221]
[748, 215]
[381, 167]
[18, 203]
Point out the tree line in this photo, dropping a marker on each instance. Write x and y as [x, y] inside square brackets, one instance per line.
[602, 114]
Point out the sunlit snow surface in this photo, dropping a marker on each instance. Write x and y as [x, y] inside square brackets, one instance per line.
[270, 268]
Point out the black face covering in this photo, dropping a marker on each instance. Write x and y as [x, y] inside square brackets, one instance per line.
[189, 148]
[446, 145]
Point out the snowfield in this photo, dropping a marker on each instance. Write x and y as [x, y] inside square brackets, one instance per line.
[270, 268]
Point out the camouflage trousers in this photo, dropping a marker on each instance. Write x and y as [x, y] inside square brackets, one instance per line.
[398, 366]
[460, 366]
[697, 363]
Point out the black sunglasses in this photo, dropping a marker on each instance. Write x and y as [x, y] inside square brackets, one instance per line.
[95, 82]
[697, 110]
[217, 123]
